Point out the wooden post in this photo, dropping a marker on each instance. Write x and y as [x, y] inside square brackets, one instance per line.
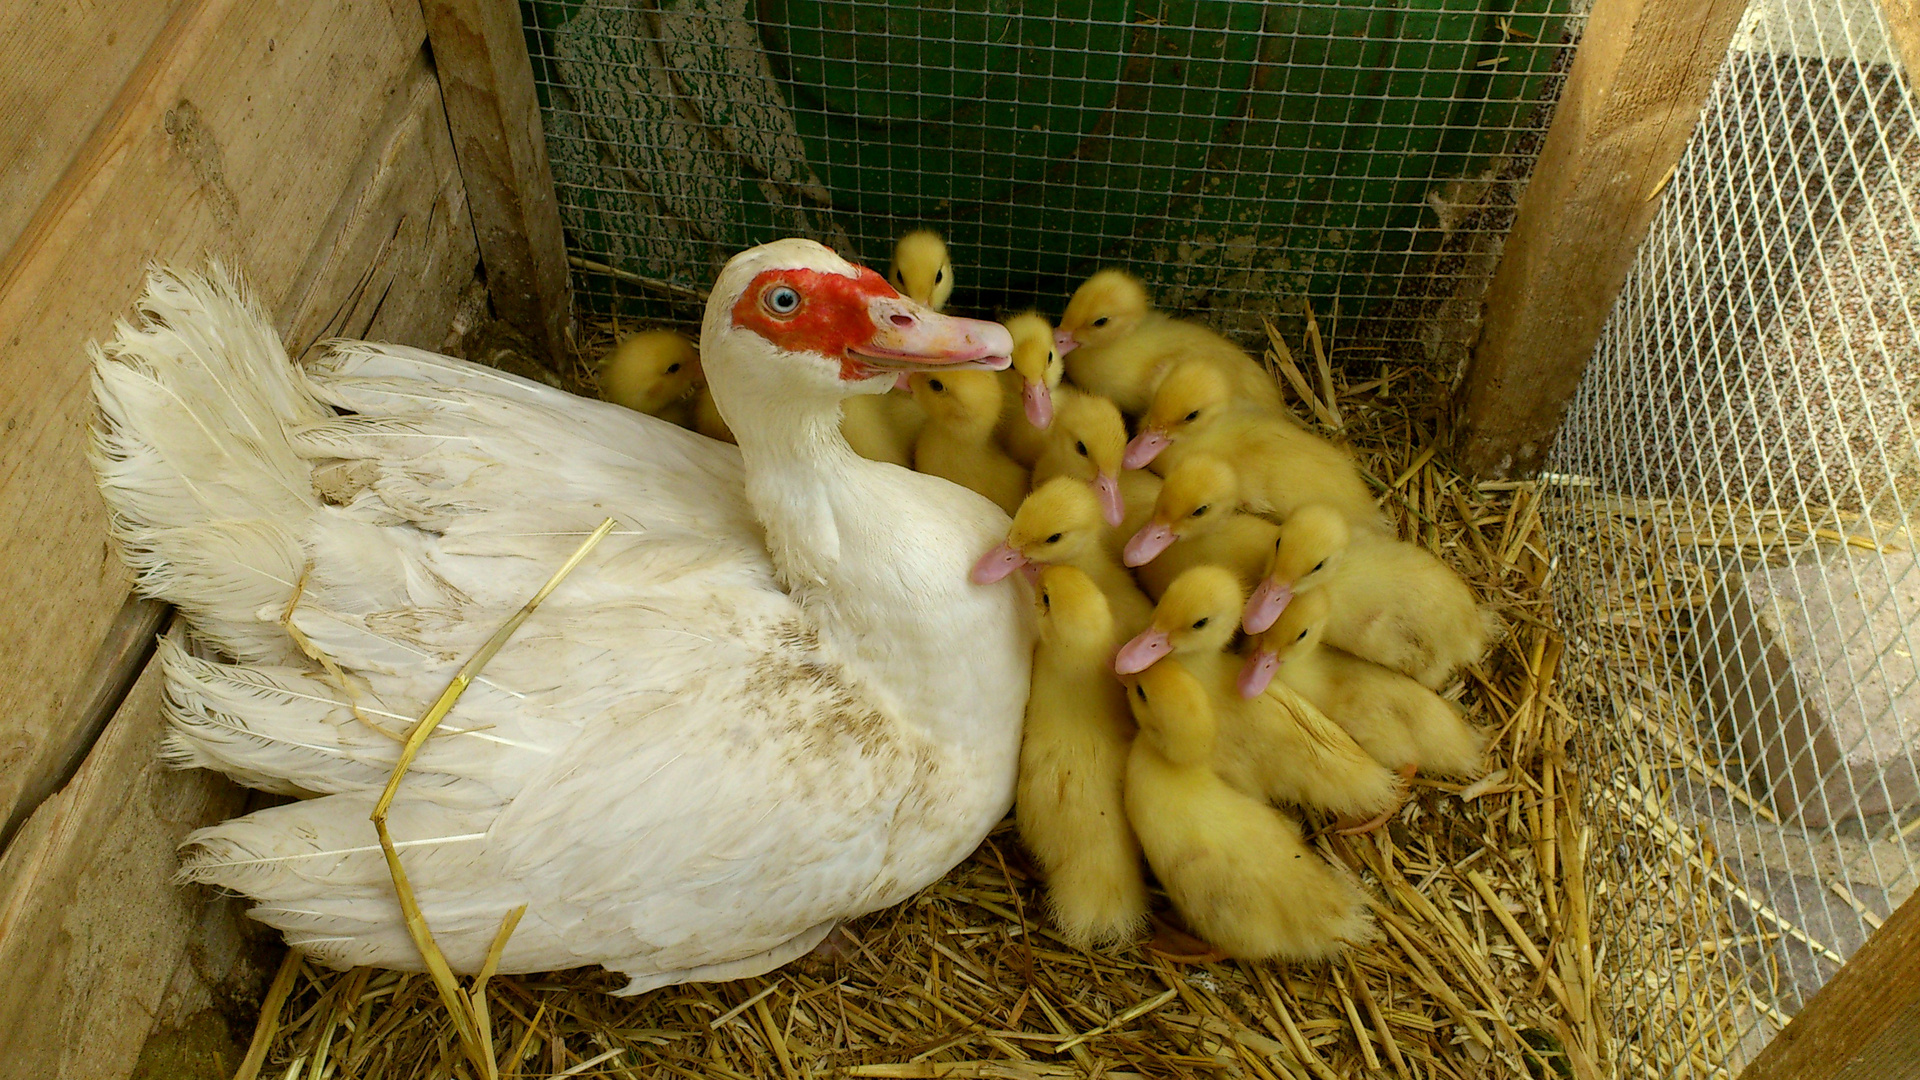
[1865, 1023]
[1631, 102]
[495, 118]
[1902, 18]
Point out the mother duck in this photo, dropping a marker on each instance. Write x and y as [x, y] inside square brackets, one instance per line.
[769, 701]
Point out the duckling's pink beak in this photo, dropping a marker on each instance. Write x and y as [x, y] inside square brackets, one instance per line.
[1153, 538]
[1063, 342]
[996, 564]
[1039, 404]
[903, 382]
[1144, 448]
[1139, 654]
[1257, 673]
[1269, 599]
[1113, 509]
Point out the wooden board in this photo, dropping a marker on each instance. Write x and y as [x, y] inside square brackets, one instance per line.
[495, 117]
[92, 926]
[237, 135]
[1631, 102]
[1903, 26]
[1865, 1023]
[45, 110]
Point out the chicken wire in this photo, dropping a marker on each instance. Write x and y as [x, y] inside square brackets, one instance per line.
[1732, 497]
[1243, 155]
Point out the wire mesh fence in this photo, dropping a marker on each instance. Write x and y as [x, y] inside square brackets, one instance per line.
[1733, 497]
[1243, 155]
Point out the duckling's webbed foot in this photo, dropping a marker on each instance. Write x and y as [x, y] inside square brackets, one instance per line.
[1179, 946]
[1352, 826]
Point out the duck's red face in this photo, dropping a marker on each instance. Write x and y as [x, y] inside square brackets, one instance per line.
[861, 322]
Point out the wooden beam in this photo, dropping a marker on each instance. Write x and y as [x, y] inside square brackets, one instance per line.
[1902, 18]
[1630, 105]
[1865, 1023]
[495, 118]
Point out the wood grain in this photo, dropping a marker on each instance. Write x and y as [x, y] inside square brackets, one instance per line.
[1631, 102]
[1865, 1023]
[1903, 26]
[495, 117]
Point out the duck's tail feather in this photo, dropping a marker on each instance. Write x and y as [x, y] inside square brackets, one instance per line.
[208, 496]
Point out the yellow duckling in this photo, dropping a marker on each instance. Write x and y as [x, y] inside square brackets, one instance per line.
[1060, 524]
[1196, 521]
[1237, 869]
[883, 427]
[1073, 756]
[1033, 380]
[921, 270]
[656, 372]
[962, 408]
[1276, 745]
[706, 417]
[1117, 346]
[1390, 602]
[1281, 465]
[1086, 442]
[1402, 724]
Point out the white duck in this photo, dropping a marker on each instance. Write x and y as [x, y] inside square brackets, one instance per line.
[769, 701]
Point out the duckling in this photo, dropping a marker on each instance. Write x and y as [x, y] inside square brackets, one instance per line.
[706, 417]
[1117, 346]
[1237, 869]
[1086, 442]
[1060, 524]
[883, 427]
[1403, 724]
[1281, 465]
[921, 270]
[1073, 755]
[957, 441]
[1390, 602]
[1033, 381]
[1277, 745]
[1197, 522]
[656, 372]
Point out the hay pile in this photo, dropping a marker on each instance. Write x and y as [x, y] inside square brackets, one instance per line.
[1485, 967]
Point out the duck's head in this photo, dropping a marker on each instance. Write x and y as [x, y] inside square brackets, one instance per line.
[1195, 615]
[1058, 522]
[1173, 712]
[1087, 441]
[1105, 308]
[1038, 362]
[1310, 547]
[1296, 631]
[1201, 492]
[1072, 609]
[650, 370]
[791, 323]
[965, 402]
[922, 270]
[1191, 394]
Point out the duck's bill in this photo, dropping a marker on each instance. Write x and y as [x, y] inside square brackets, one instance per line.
[1269, 599]
[1113, 508]
[1142, 652]
[1147, 544]
[997, 564]
[1038, 401]
[909, 337]
[1256, 673]
[1143, 448]
[1063, 342]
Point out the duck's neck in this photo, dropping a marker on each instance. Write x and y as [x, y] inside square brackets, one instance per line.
[801, 476]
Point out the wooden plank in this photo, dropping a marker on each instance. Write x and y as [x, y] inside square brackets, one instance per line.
[1902, 18]
[1631, 102]
[495, 117]
[93, 930]
[237, 135]
[1865, 1023]
[45, 111]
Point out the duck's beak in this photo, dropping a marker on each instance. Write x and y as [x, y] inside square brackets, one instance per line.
[1063, 342]
[1113, 508]
[1257, 673]
[996, 564]
[903, 382]
[1146, 545]
[1144, 447]
[1139, 654]
[912, 337]
[1039, 404]
[1269, 599]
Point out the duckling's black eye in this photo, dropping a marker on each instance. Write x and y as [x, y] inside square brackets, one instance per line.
[1302, 637]
[1318, 566]
[1081, 447]
[936, 386]
[1046, 601]
[940, 275]
[671, 368]
[1201, 624]
[1194, 415]
[1139, 692]
[782, 300]
[1055, 538]
[1101, 321]
[1198, 510]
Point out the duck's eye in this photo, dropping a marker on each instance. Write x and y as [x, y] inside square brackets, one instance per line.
[1080, 447]
[1192, 416]
[1052, 358]
[1198, 510]
[782, 300]
[940, 275]
[671, 368]
[1201, 624]
[1139, 692]
[1317, 567]
[1302, 637]
[1101, 321]
[1055, 538]
[936, 386]
[1046, 601]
